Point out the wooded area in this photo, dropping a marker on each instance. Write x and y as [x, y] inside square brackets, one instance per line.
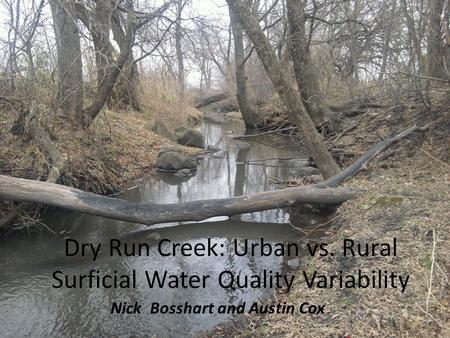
[297, 51]
[306, 123]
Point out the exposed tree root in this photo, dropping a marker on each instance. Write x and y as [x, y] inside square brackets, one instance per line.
[29, 125]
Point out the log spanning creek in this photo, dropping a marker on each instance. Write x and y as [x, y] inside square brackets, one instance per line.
[37, 272]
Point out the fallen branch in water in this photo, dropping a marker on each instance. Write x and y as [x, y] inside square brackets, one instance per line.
[279, 159]
[18, 189]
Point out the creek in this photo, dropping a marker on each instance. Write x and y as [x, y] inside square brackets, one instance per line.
[31, 307]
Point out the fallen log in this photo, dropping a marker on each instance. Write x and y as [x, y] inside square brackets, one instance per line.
[18, 189]
[211, 99]
[355, 107]
[325, 193]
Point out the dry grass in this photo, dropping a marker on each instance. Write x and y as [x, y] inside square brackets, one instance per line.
[373, 312]
[161, 102]
[416, 174]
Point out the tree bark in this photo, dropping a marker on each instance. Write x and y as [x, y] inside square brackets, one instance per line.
[128, 85]
[100, 28]
[436, 45]
[291, 98]
[70, 77]
[414, 39]
[387, 40]
[18, 189]
[126, 89]
[247, 111]
[111, 73]
[304, 71]
[106, 88]
[179, 51]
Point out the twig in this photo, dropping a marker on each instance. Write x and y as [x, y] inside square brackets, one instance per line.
[298, 229]
[278, 158]
[318, 226]
[429, 314]
[431, 272]
[264, 133]
[434, 158]
[346, 130]
[425, 77]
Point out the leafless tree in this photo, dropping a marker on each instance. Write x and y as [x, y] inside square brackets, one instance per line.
[247, 111]
[70, 76]
[289, 96]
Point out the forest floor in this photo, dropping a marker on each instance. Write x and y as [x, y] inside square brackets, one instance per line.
[119, 147]
[407, 197]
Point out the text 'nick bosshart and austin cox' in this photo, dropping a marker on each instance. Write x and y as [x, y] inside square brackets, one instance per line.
[229, 279]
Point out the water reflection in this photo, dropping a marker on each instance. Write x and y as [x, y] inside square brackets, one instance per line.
[230, 171]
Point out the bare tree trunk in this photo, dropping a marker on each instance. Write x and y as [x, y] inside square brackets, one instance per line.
[70, 77]
[106, 87]
[353, 46]
[304, 71]
[387, 40]
[414, 40]
[290, 97]
[130, 81]
[100, 29]
[179, 51]
[14, 17]
[248, 114]
[436, 45]
[127, 31]
[125, 93]
[126, 88]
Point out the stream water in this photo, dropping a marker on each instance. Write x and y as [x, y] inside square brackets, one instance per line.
[29, 306]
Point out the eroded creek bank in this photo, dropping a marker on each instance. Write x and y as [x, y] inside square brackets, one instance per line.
[30, 306]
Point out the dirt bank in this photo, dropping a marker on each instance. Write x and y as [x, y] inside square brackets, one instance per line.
[119, 147]
[407, 198]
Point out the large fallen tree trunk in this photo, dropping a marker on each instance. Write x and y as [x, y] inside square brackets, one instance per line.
[17, 189]
[24, 190]
[211, 99]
